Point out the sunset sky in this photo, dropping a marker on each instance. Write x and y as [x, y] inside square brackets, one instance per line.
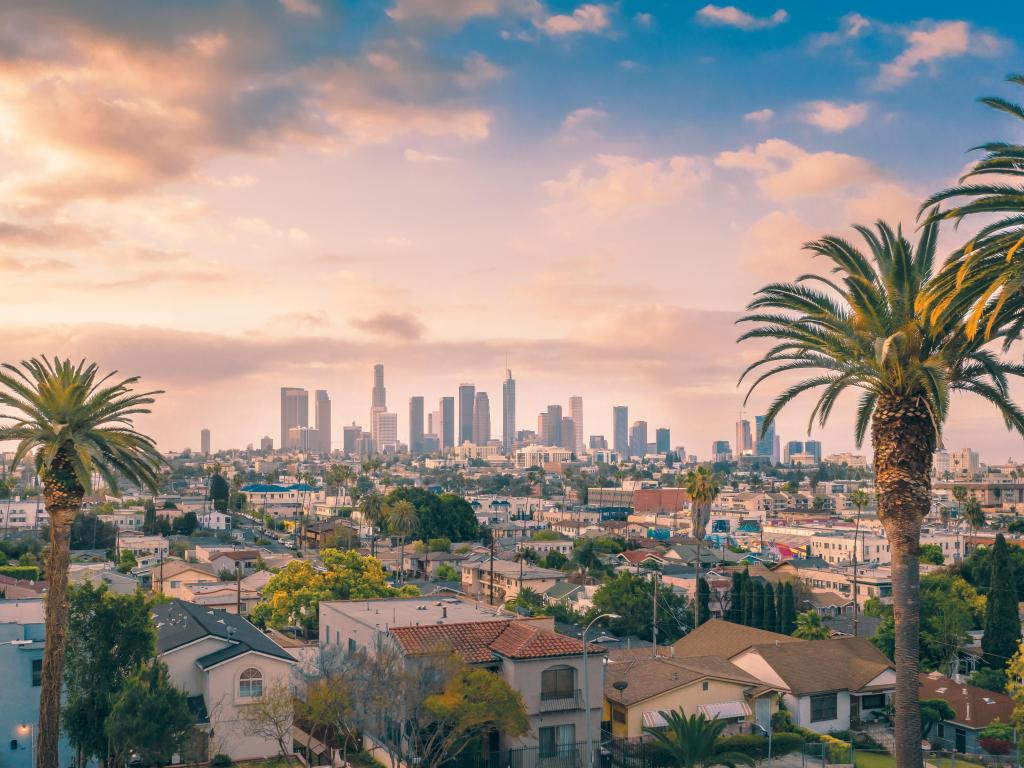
[227, 197]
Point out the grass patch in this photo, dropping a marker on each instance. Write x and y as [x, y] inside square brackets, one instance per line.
[874, 760]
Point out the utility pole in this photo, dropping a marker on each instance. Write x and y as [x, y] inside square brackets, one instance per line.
[654, 620]
[491, 601]
[238, 587]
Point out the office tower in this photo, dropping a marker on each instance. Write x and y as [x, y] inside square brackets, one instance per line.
[661, 440]
[744, 443]
[764, 446]
[379, 396]
[467, 400]
[306, 439]
[598, 443]
[720, 451]
[434, 425]
[385, 431]
[351, 435]
[481, 419]
[204, 442]
[549, 426]
[447, 433]
[567, 434]
[776, 449]
[638, 439]
[576, 411]
[791, 448]
[508, 412]
[294, 412]
[620, 430]
[813, 447]
[322, 419]
[267, 443]
[415, 425]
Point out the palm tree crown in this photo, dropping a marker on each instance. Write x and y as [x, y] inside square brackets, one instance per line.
[703, 486]
[692, 742]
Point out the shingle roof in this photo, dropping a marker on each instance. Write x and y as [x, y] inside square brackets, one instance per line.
[179, 622]
[974, 707]
[842, 663]
[725, 639]
[479, 642]
[648, 676]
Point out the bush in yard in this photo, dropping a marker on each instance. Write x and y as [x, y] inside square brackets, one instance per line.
[220, 760]
[746, 744]
[784, 743]
[995, 746]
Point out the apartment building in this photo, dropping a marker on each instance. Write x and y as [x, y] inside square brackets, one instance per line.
[509, 578]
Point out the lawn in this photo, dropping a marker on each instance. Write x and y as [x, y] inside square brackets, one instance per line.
[884, 760]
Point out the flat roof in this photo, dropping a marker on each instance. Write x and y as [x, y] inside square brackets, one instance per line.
[413, 611]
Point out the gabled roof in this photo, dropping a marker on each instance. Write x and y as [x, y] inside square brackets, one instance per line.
[479, 642]
[172, 568]
[974, 707]
[179, 623]
[725, 639]
[842, 663]
[650, 676]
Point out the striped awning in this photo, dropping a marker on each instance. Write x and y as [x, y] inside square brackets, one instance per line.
[727, 710]
[653, 719]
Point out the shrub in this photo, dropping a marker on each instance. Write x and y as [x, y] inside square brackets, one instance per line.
[784, 743]
[750, 745]
[995, 746]
[782, 721]
[838, 750]
[220, 760]
[30, 572]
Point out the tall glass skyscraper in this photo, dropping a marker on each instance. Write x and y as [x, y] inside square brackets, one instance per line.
[508, 412]
[467, 400]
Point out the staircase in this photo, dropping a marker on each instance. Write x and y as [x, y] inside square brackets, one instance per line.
[881, 734]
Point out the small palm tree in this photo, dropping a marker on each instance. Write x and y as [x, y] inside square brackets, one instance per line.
[75, 424]
[702, 486]
[371, 509]
[809, 627]
[692, 742]
[974, 516]
[401, 517]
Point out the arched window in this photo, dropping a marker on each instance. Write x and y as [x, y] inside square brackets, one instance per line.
[250, 684]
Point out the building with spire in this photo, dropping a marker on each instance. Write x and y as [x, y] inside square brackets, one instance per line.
[508, 412]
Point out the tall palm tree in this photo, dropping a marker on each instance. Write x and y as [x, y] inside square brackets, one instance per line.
[860, 500]
[692, 742]
[75, 424]
[862, 329]
[401, 517]
[703, 486]
[974, 516]
[991, 264]
[809, 627]
[371, 509]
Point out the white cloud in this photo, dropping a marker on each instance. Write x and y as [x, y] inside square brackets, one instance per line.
[731, 16]
[643, 20]
[415, 156]
[928, 43]
[833, 117]
[478, 70]
[587, 18]
[619, 185]
[583, 116]
[760, 115]
[850, 27]
[301, 7]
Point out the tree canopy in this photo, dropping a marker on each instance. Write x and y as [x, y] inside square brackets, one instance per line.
[438, 515]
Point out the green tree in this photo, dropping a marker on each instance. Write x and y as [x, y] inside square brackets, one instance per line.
[692, 742]
[932, 554]
[401, 517]
[769, 619]
[809, 627]
[736, 598]
[865, 328]
[438, 516]
[126, 561]
[974, 516]
[219, 492]
[702, 486]
[703, 611]
[371, 510]
[933, 712]
[149, 526]
[150, 718]
[787, 619]
[990, 679]
[186, 524]
[1002, 619]
[748, 599]
[757, 604]
[631, 597]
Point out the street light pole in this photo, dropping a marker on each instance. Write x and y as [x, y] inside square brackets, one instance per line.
[586, 686]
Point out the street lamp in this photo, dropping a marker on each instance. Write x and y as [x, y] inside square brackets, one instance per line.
[23, 729]
[586, 684]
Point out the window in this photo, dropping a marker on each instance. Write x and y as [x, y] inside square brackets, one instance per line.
[557, 740]
[824, 707]
[558, 683]
[250, 684]
[618, 714]
[37, 672]
[705, 685]
[875, 701]
[351, 645]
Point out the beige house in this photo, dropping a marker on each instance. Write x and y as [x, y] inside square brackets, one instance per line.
[174, 578]
[224, 664]
[509, 578]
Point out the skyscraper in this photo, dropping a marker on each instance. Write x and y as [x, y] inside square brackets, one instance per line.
[467, 400]
[447, 433]
[322, 419]
[352, 434]
[721, 451]
[386, 431]
[567, 434]
[204, 442]
[508, 412]
[744, 443]
[662, 440]
[267, 443]
[294, 412]
[415, 425]
[813, 447]
[765, 445]
[481, 419]
[549, 426]
[576, 411]
[790, 449]
[434, 425]
[620, 430]
[638, 438]
[380, 394]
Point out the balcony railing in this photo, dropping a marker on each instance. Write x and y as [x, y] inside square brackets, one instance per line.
[560, 701]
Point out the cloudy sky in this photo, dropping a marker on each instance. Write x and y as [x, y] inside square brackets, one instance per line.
[228, 196]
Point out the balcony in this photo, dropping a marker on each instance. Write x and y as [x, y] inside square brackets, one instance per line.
[560, 701]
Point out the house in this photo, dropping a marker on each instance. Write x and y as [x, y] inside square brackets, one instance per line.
[12, 588]
[232, 559]
[22, 641]
[830, 685]
[224, 664]
[509, 578]
[725, 640]
[173, 578]
[975, 708]
[102, 573]
[707, 685]
[329, 532]
[229, 596]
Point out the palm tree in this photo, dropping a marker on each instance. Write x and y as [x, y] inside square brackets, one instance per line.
[809, 627]
[960, 494]
[974, 515]
[76, 424]
[692, 742]
[703, 487]
[991, 264]
[860, 500]
[371, 509]
[401, 517]
[861, 329]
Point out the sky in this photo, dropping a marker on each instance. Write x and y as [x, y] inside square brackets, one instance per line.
[227, 197]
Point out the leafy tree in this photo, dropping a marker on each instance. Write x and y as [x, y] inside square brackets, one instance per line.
[89, 532]
[631, 596]
[545, 534]
[219, 492]
[438, 516]
[553, 559]
[149, 525]
[74, 424]
[371, 509]
[977, 568]
[186, 524]
[126, 561]
[703, 599]
[769, 620]
[866, 327]
[748, 599]
[757, 604]
[1002, 620]
[736, 598]
[150, 718]
[990, 679]
[974, 516]
[692, 742]
[934, 711]
[110, 636]
[447, 572]
[809, 627]
[270, 717]
[932, 554]
[702, 486]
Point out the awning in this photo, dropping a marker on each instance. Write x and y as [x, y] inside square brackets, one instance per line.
[653, 720]
[727, 710]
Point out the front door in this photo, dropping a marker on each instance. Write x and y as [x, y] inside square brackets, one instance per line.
[961, 740]
[763, 711]
[855, 709]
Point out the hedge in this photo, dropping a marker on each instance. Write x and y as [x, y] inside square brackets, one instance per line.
[30, 572]
[757, 746]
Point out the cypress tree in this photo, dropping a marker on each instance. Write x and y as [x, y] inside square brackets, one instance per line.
[748, 599]
[769, 620]
[757, 619]
[703, 600]
[1002, 624]
[789, 610]
[736, 599]
[780, 608]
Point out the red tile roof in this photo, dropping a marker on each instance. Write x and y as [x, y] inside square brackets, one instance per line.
[479, 642]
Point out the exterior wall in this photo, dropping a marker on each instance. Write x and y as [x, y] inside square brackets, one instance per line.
[177, 586]
[688, 697]
[181, 664]
[801, 711]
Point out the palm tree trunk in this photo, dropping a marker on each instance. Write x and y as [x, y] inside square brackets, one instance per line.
[58, 560]
[904, 439]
